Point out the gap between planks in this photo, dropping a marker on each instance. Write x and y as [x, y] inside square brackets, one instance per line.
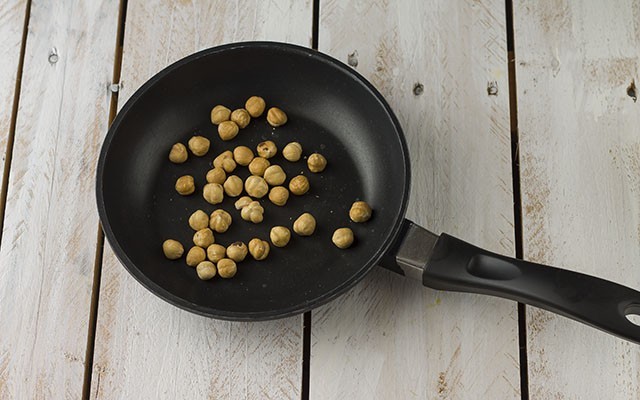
[97, 268]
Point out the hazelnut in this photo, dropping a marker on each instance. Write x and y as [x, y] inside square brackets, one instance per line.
[267, 149]
[206, 270]
[242, 202]
[316, 162]
[220, 114]
[233, 186]
[243, 155]
[216, 252]
[203, 238]
[305, 225]
[360, 212]
[274, 175]
[237, 251]
[213, 193]
[280, 236]
[256, 186]
[195, 256]
[185, 185]
[342, 237]
[299, 185]
[172, 249]
[258, 166]
[178, 153]
[216, 175]
[227, 268]
[292, 152]
[276, 117]
[227, 130]
[199, 145]
[255, 106]
[198, 220]
[259, 249]
[253, 212]
[225, 161]
[241, 117]
[220, 221]
[279, 195]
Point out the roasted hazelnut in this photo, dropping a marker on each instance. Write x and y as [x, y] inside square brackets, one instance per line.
[276, 117]
[216, 252]
[243, 155]
[216, 175]
[280, 236]
[220, 114]
[178, 153]
[198, 220]
[253, 212]
[305, 225]
[225, 161]
[256, 186]
[259, 249]
[360, 212]
[241, 117]
[255, 105]
[199, 145]
[220, 221]
[185, 185]
[213, 193]
[279, 195]
[258, 166]
[233, 186]
[342, 237]
[172, 249]
[242, 202]
[267, 149]
[316, 162]
[237, 251]
[227, 130]
[195, 256]
[274, 175]
[203, 238]
[206, 270]
[227, 268]
[292, 152]
[299, 185]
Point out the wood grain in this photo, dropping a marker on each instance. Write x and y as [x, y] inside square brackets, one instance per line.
[146, 348]
[12, 15]
[390, 337]
[49, 238]
[580, 163]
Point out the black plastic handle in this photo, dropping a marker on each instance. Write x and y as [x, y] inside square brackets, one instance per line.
[459, 266]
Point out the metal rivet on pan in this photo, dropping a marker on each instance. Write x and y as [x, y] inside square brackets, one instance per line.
[492, 88]
[418, 89]
[53, 55]
[352, 59]
[114, 87]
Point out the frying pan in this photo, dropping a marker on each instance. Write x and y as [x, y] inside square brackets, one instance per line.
[332, 110]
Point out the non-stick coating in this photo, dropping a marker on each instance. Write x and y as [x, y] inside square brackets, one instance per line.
[331, 109]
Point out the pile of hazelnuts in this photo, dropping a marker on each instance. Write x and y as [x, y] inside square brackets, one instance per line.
[210, 258]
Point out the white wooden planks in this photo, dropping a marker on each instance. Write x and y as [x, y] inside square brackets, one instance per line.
[580, 163]
[146, 348]
[390, 337]
[49, 239]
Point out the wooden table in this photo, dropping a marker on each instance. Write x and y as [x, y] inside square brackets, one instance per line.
[524, 139]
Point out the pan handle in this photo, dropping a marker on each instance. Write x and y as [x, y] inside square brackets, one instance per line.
[448, 263]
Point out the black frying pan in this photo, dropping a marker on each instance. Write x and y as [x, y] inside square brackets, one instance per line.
[332, 110]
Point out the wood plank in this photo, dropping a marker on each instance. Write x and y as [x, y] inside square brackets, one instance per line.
[390, 337]
[580, 163]
[12, 14]
[140, 338]
[49, 238]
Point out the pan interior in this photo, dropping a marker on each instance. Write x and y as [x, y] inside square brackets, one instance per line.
[330, 110]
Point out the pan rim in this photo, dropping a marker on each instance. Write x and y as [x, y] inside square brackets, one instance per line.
[269, 314]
